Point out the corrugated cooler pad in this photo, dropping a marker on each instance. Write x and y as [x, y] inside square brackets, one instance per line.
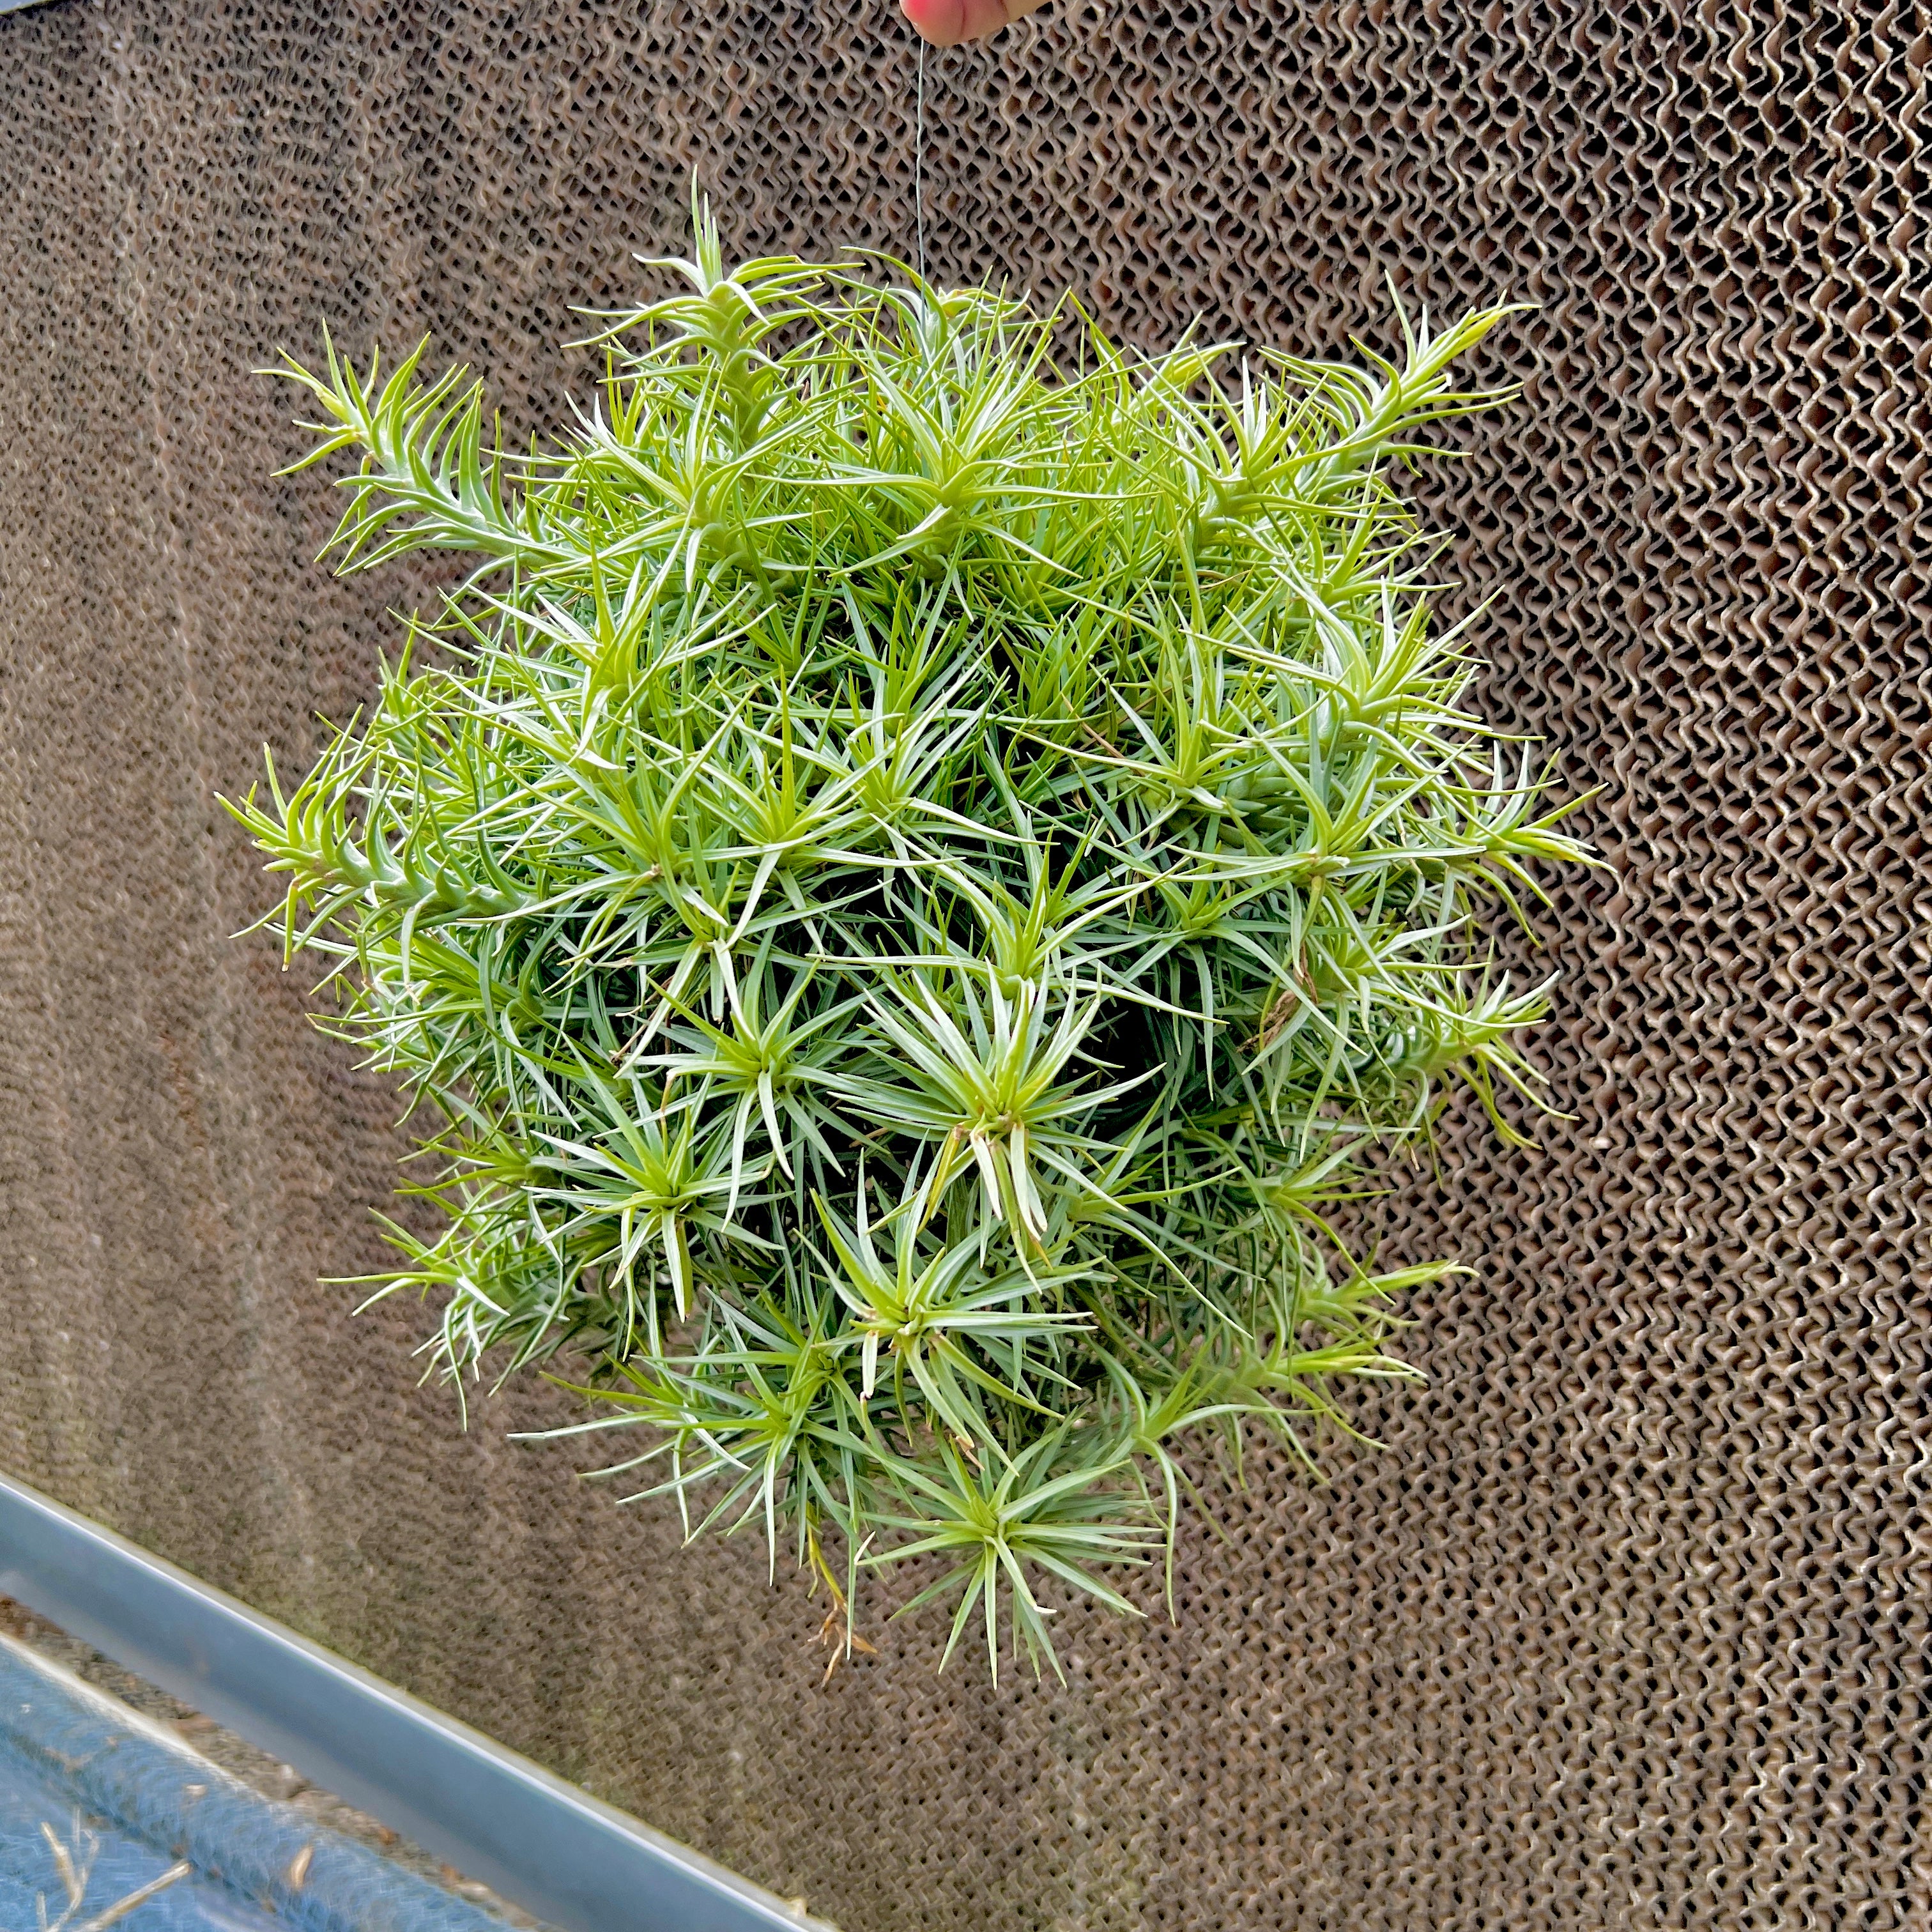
[1626, 1625]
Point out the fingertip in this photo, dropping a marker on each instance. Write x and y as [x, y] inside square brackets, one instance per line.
[940, 22]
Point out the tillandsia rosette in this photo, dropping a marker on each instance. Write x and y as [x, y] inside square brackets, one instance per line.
[924, 858]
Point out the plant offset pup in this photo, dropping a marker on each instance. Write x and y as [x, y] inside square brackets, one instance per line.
[913, 871]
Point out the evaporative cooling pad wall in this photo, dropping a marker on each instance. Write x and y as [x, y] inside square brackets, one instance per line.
[1626, 1625]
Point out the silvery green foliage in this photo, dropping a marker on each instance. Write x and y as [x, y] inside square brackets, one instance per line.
[914, 870]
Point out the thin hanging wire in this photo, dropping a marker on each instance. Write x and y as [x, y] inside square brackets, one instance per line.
[918, 158]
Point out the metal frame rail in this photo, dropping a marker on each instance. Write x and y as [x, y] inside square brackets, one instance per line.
[553, 1849]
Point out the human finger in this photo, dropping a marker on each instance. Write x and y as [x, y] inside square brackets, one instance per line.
[945, 23]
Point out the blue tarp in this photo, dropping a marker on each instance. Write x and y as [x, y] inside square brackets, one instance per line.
[119, 1864]
[128, 1804]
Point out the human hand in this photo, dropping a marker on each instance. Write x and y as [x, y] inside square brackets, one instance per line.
[947, 22]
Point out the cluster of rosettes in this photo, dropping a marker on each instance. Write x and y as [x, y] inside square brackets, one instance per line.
[923, 856]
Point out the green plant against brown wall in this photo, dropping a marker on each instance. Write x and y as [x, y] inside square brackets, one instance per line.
[916, 867]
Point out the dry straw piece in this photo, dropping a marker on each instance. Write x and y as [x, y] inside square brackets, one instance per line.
[915, 870]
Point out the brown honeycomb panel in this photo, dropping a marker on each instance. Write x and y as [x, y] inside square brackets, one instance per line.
[1626, 1625]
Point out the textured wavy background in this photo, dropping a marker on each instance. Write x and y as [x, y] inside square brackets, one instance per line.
[1627, 1624]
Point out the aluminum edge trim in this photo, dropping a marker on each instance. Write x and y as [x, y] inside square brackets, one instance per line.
[552, 1848]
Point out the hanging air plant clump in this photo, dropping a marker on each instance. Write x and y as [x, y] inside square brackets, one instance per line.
[916, 868]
